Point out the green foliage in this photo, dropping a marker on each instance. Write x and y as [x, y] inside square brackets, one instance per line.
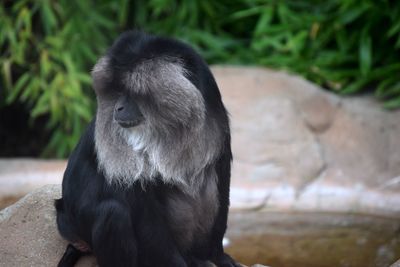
[48, 47]
[47, 50]
[344, 45]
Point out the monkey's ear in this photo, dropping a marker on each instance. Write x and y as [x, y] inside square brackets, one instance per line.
[101, 74]
[101, 67]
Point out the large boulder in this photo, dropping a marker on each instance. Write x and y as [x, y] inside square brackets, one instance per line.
[298, 147]
[396, 264]
[28, 233]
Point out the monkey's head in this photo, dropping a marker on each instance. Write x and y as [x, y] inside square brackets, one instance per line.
[159, 111]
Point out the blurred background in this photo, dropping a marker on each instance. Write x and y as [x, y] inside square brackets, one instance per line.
[313, 88]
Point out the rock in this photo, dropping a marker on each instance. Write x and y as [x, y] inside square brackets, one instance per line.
[298, 147]
[396, 264]
[28, 234]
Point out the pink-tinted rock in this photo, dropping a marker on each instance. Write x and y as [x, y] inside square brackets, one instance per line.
[396, 264]
[298, 147]
[28, 233]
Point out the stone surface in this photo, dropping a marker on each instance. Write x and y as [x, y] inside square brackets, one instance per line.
[298, 147]
[28, 234]
[396, 264]
[295, 147]
[27, 231]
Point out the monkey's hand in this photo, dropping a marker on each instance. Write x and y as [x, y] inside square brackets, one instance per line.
[226, 261]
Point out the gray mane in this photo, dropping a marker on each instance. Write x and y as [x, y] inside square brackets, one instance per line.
[177, 141]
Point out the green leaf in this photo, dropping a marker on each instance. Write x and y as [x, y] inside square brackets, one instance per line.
[382, 89]
[392, 89]
[7, 73]
[355, 86]
[245, 13]
[29, 89]
[365, 53]
[42, 105]
[351, 15]
[393, 103]
[18, 87]
[82, 111]
[395, 29]
[263, 21]
[49, 20]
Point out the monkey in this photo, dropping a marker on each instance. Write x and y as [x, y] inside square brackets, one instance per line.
[148, 182]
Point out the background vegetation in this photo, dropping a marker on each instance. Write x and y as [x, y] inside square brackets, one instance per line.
[48, 47]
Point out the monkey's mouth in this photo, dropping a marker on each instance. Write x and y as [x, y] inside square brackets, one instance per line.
[129, 124]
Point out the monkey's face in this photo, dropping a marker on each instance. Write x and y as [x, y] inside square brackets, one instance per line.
[150, 119]
[153, 96]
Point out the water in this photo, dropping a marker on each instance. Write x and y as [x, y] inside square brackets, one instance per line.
[313, 239]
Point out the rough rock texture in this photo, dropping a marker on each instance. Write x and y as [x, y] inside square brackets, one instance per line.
[396, 264]
[298, 147]
[28, 234]
[28, 225]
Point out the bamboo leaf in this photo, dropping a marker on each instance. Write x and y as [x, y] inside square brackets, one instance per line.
[365, 53]
[17, 88]
[7, 73]
[48, 18]
[393, 103]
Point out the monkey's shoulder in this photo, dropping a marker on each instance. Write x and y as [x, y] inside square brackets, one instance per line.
[82, 162]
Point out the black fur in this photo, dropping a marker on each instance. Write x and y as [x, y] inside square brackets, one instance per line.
[127, 226]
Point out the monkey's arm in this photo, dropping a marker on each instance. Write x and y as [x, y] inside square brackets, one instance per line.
[157, 245]
[223, 169]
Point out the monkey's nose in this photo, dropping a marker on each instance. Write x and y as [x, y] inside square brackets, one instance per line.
[120, 108]
[127, 116]
[127, 112]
